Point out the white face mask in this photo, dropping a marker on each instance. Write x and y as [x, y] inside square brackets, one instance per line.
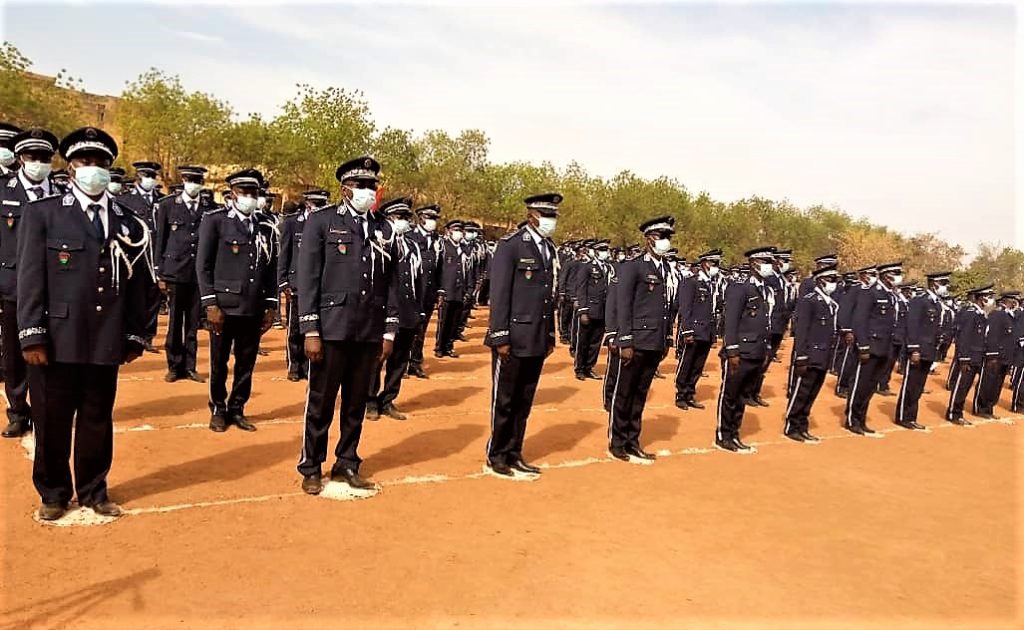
[147, 183]
[36, 171]
[401, 226]
[192, 188]
[430, 224]
[829, 287]
[93, 180]
[662, 245]
[245, 205]
[470, 237]
[456, 235]
[114, 188]
[785, 266]
[621, 257]
[713, 271]
[990, 302]
[897, 280]
[942, 290]
[872, 280]
[603, 254]
[362, 199]
[261, 203]
[6, 157]
[546, 226]
[765, 270]
[684, 271]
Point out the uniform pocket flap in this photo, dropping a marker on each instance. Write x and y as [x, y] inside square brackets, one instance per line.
[337, 238]
[58, 309]
[228, 286]
[333, 300]
[66, 244]
[527, 264]
[522, 319]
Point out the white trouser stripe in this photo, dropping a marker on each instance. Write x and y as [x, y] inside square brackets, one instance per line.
[792, 399]
[853, 396]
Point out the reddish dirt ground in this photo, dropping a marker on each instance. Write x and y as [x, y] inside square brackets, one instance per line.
[916, 529]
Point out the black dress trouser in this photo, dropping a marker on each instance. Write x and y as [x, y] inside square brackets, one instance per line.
[182, 341]
[914, 379]
[14, 367]
[394, 369]
[513, 386]
[625, 421]
[691, 363]
[806, 388]
[736, 382]
[241, 337]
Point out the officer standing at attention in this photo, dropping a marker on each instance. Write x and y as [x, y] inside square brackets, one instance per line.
[236, 267]
[406, 310]
[177, 244]
[697, 303]
[1017, 378]
[745, 349]
[970, 350]
[1000, 344]
[34, 149]
[8, 162]
[81, 312]
[643, 304]
[521, 335]
[874, 323]
[116, 185]
[142, 201]
[814, 330]
[451, 289]
[924, 330]
[867, 277]
[426, 239]
[287, 282]
[591, 293]
[346, 269]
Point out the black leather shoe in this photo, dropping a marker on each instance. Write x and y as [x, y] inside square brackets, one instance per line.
[619, 453]
[312, 484]
[240, 421]
[866, 429]
[581, 377]
[760, 402]
[218, 424]
[418, 372]
[353, 479]
[740, 445]
[842, 393]
[636, 451]
[452, 354]
[17, 428]
[462, 337]
[693, 403]
[987, 415]
[170, 377]
[500, 468]
[808, 437]
[107, 508]
[958, 421]
[726, 445]
[521, 466]
[194, 376]
[885, 392]
[438, 354]
[592, 375]
[854, 428]
[372, 412]
[796, 436]
[293, 377]
[917, 427]
[682, 404]
[905, 425]
[151, 348]
[392, 411]
[263, 353]
[52, 511]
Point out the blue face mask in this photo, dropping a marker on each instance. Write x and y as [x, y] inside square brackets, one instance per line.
[93, 180]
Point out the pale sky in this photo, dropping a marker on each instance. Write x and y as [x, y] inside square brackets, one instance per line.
[899, 113]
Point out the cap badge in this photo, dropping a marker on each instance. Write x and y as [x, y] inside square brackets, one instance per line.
[90, 133]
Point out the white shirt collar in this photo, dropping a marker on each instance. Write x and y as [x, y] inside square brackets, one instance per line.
[186, 199]
[45, 184]
[85, 201]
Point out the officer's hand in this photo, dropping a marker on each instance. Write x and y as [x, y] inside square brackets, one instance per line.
[504, 351]
[688, 339]
[386, 349]
[848, 338]
[162, 286]
[734, 361]
[440, 294]
[131, 356]
[314, 349]
[626, 354]
[800, 369]
[863, 356]
[965, 367]
[268, 321]
[992, 363]
[585, 319]
[35, 355]
[214, 319]
[287, 292]
[915, 358]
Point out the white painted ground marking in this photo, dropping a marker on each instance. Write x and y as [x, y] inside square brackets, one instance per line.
[340, 491]
[77, 517]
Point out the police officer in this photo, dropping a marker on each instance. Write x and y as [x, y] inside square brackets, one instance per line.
[61, 180]
[427, 240]
[142, 201]
[346, 269]
[923, 334]
[1000, 345]
[970, 350]
[874, 323]
[451, 289]
[116, 185]
[1017, 380]
[697, 302]
[236, 267]
[470, 246]
[745, 349]
[866, 278]
[643, 310]
[814, 327]
[899, 336]
[81, 314]
[407, 312]
[287, 268]
[522, 329]
[177, 243]
[611, 372]
[8, 162]
[590, 291]
[34, 150]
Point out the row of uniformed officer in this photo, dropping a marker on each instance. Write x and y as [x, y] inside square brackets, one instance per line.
[452, 283]
[589, 290]
[429, 243]
[697, 299]
[923, 336]
[142, 201]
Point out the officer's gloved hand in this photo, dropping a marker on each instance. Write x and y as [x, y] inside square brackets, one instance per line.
[35, 355]
[734, 361]
[915, 358]
[215, 319]
[992, 363]
[268, 321]
[162, 285]
[313, 348]
[386, 349]
[848, 338]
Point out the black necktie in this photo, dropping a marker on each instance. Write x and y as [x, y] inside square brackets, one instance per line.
[360, 221]
[37, 191]
[97, 222]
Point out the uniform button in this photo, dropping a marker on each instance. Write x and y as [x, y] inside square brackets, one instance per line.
[100, 289]
[98, 308]
[364, 275]
[364, 258]
[252, 280]
[103, 269]
[362, 292]
[64, 246]
[251, 267]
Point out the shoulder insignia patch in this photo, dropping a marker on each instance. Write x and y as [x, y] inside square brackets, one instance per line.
[12, 182]
[69, 200]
